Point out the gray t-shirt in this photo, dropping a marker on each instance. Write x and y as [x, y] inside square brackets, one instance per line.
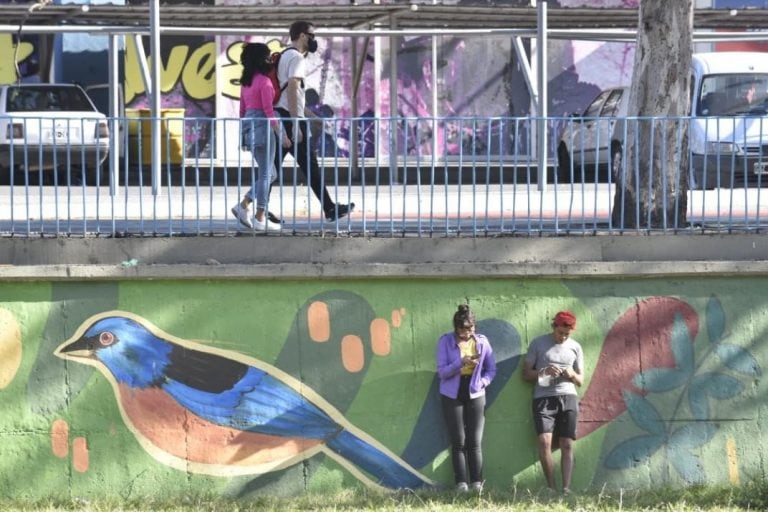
[543, 352]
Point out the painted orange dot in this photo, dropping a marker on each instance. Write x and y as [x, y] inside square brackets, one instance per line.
[10, 347]
[60, 438]
[380, 337]
[396, 318]
[80, 458]
[352, 353]
[319, 321]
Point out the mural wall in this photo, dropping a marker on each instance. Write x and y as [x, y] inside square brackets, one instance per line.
[238, 388]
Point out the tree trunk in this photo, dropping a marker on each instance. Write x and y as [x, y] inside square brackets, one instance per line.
[652, 180]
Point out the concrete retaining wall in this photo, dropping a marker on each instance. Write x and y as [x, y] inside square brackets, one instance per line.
[124, 361]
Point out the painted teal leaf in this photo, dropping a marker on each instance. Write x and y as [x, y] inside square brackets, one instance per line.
[632, 452]
[738, 359]
[692, 435]
[659, 380]
[715, 320]
[721, 386]
[682, 347]
[644, 414]
[688, 466]
[698, 399]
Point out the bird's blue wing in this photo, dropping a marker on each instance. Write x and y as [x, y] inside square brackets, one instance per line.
[259, 403]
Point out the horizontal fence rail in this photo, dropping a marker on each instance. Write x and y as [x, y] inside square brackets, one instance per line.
[458, 176]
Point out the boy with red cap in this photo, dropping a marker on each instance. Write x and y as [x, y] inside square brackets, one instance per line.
[555, 363]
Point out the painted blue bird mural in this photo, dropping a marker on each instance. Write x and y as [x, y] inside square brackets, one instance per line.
[212, 411]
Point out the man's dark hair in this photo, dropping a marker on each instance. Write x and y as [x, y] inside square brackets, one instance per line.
[298, 28]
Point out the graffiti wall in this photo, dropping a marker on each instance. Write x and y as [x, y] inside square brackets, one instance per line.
[239, 388]
[475, 76]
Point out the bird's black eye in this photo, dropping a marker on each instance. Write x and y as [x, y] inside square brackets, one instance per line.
[106, 338]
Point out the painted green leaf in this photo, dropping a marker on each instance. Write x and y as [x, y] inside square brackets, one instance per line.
[682, 348]
[688, 466]
[715, 320]
[644, 414]
[632, 452]
[692, 435]
[738, 359]
[658, 380]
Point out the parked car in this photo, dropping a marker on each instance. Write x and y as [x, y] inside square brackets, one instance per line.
[51, 127]
[728, 131]
[584, 151]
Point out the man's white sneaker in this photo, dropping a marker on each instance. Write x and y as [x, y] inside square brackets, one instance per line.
[241, 214]
[265, 225]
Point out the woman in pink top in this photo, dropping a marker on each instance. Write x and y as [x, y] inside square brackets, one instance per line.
[260, 131]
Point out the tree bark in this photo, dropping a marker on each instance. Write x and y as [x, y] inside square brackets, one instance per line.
[652, 179]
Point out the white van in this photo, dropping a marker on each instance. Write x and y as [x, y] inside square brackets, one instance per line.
[728, 137]
[729, 125]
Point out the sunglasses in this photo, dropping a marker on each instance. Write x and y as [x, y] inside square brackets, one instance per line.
[309, 35]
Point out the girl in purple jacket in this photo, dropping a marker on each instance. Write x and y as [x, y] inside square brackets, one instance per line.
[465, 366]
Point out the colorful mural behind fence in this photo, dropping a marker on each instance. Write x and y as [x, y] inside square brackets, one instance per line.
[239, 388]
[475, 76]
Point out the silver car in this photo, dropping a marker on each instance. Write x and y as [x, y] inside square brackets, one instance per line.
[584, 150]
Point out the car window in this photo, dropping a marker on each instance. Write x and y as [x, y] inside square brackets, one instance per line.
[35, 99]
[611, 106]
[593, 110]
[733, 94]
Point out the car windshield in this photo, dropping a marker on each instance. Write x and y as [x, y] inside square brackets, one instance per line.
[42, 98]
[733, 94]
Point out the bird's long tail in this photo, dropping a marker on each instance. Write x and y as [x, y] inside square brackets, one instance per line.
[384, 468]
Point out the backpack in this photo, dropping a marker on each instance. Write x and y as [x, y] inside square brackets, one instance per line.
[272, 75]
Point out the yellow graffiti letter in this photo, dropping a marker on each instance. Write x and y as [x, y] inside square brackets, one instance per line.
[199, 75]
[8, 73]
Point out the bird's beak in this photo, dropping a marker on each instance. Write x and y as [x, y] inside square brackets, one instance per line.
[80, 348]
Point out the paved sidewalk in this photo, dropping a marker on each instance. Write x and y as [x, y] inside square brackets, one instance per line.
[398, 209]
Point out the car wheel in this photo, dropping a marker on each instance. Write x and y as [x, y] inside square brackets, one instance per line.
[616, 162]
[94, 173]
[563, 164]
[696, 180]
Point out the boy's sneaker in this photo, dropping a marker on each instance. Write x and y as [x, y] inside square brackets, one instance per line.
[462, 487]
[477, 486]
[241, 214]
[265, 225]
[338, 211]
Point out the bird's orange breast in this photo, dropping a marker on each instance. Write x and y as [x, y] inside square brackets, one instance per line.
[175, 430]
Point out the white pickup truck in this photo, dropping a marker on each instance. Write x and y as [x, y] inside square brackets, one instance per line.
[728, 137]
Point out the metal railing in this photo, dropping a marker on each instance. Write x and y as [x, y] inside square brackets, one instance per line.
[446, 177]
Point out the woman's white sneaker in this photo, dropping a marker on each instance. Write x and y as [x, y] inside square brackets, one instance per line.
[265, 225]
[241, 214]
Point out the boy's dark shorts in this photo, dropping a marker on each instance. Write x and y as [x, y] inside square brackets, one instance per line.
[556, 414]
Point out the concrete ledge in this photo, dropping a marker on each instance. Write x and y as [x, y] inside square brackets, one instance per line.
[301, 257]
[278, 271]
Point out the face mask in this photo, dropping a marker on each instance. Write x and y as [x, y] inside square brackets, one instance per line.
[312, 46]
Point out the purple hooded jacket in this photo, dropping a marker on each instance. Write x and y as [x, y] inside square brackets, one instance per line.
[449, 366]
